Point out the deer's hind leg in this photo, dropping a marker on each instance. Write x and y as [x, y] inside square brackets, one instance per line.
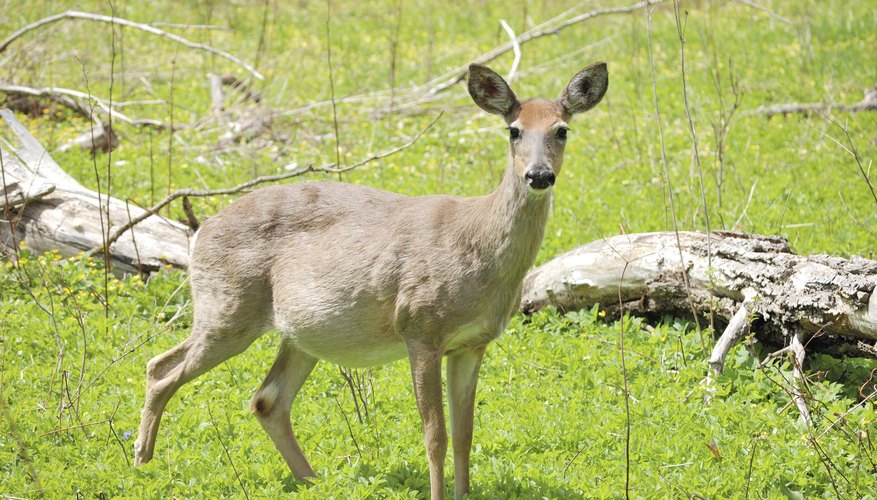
[272, 402]
[223, 327]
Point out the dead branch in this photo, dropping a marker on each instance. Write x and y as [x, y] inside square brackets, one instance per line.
[72, 99]
[74, 14]
[868, 103]
[770, 12]
[329, 168]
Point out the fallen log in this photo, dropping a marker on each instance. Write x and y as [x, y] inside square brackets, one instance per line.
[741, 282]
[48, 209]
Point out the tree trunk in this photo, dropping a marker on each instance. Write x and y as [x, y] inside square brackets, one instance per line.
[737, 281]
[47, 209]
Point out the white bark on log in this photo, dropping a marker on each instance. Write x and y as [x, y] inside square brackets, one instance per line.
[68, 217]
[829, 300]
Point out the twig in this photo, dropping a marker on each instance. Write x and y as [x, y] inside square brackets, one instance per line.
[854, 152]
[227, 454]
[73, 427]
[515, 46]
[626, 391]
[332, 84]
[74, 14]
[746, 206]
[680, 31]
[751, 460]
[349, 428]
[211, 27]
[329, 168]
[772, 13]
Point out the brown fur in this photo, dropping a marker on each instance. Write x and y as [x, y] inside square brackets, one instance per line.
[360, 276]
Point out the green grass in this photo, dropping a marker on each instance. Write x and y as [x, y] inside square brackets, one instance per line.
[550, 420]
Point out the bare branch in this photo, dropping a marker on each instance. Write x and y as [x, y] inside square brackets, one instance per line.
[329, 168]
[68, 98]
[772, 13]
[868, 103]
[74, 14]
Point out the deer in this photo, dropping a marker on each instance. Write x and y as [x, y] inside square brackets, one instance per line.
[361, 277]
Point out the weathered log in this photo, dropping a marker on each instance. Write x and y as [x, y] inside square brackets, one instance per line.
[829, 301]
[48, 210]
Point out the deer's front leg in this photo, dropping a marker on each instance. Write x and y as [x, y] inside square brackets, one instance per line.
[426, 365]
[463, 369]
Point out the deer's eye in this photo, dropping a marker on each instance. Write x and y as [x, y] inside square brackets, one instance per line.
[561, 133]
[514, 134]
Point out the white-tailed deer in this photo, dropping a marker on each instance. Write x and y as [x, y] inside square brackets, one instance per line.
[360, 277]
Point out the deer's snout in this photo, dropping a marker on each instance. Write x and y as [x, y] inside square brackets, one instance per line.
[539, 178]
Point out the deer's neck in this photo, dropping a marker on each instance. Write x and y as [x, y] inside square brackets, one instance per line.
[510, 225]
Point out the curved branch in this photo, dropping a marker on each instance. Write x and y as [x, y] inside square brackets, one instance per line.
[329, 168]
[74, 14]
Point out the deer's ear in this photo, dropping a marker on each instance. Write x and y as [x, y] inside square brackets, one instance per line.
[489, 91]
[585, 89]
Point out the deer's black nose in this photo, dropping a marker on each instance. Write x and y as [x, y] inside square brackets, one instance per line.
[540, 178]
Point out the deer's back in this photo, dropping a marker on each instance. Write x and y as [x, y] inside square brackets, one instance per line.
[352, 266]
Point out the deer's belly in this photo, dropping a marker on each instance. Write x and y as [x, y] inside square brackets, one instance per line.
[347, 336]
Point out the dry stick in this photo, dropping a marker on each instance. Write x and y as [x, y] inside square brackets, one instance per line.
[349, 428]
[680, 30]
[517, 48]
[664, 161]
[868, 103]
[262, 29]
[842, 418]
[394, 50]
[854, 152]
[66, 97]
[798, 352]
[329, 168]
[349, 379]
[211, 27]
[855, 219]
[170, 136]
[74, 427]
[626, 393]
[751, 460]
[227, 454]
[74, 14]
[116, 436]
[772, 13]
[332, 84]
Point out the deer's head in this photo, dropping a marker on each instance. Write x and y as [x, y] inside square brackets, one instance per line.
[538, 128]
